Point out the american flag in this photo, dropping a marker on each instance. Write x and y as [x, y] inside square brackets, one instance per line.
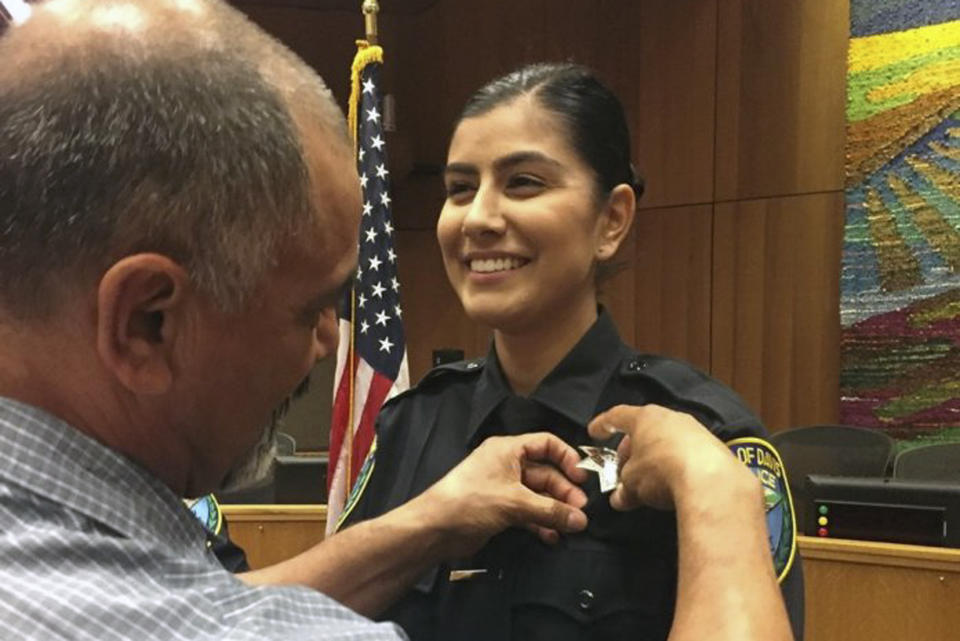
[372, 356]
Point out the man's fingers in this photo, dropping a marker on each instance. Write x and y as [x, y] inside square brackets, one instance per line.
[546, 512]
[616, 419]
[549, 480]
[623, 450]
[547, 448]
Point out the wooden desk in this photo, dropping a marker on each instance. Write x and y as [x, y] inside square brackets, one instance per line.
[856, 590]
[272, 533]
[866, 591]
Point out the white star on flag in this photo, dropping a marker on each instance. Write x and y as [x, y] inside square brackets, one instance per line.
[392, 255]
[395, 284]
[375, 264]
[373, 115]
[382, 318]
[376, 142]
[385, 345]
[361, 301]
[371, 234]
[387, 227]
[361, 154]
[381, 171]
[367, 208]
[364, 326]
[397, 310]
[368, 86]
[385, 199]
[363, 180]
[378, 290]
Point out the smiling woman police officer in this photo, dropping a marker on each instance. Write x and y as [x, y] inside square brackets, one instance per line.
[540, 195]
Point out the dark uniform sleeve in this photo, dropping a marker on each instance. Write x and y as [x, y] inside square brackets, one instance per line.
[679, 386]
[230, 555]
[390, 481]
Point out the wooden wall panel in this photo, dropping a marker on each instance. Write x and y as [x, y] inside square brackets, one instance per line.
[776, 270]
[781, 79]
[673, 262]
[324, 39]
[433, 316]
[672, 117]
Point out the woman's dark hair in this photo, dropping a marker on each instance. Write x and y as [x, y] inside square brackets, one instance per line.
[593, 115]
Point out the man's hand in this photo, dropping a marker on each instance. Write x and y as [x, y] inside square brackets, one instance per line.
[525, 480]
[664, 455]
[669, 460]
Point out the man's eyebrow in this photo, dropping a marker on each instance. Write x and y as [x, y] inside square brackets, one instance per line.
[501, 164]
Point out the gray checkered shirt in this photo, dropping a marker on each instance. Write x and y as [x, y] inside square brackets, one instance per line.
[94, 547]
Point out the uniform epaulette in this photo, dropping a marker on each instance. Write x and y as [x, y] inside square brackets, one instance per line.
[686, 383]
[443, 372]
[471, 366]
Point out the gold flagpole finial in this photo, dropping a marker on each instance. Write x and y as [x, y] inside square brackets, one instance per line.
[370, 10]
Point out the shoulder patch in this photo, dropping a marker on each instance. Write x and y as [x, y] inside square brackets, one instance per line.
[763, 460]
[366, 470]
[207, 511]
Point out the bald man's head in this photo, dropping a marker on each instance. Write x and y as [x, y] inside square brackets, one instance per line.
[168, 126]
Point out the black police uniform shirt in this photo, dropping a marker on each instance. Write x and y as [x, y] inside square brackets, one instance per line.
[617, 579]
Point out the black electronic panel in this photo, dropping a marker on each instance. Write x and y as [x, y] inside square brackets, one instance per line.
[882, 509]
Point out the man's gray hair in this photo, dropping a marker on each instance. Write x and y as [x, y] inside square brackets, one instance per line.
[163, 126]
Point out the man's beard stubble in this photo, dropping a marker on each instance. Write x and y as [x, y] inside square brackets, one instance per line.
[257, 464]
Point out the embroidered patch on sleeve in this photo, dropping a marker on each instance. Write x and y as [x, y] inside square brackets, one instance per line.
[363, 477]
[765, 463]
[207, 511]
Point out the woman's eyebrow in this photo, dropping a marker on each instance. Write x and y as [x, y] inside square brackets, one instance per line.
[520, 157]
[460, 168]
[500, 164]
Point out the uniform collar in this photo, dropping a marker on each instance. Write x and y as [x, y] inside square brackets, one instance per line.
[571, 389]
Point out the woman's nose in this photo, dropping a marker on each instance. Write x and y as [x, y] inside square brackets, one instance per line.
[483, 214]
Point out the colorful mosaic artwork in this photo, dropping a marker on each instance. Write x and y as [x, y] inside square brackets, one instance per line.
[900, 279]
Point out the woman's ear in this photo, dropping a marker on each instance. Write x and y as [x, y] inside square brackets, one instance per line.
[140, 313]
[615, 221]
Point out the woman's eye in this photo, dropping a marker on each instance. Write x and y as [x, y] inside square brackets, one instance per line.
[523, 185]
[457, 189]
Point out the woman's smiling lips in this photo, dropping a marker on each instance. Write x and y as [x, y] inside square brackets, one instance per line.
[487, 266]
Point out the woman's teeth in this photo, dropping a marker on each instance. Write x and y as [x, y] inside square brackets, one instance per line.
[488, 265]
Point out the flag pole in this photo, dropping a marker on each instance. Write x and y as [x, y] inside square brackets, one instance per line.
[370, 10]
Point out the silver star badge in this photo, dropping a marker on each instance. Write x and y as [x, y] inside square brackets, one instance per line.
[604, 462]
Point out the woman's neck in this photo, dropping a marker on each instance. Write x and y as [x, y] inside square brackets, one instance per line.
[526, 357]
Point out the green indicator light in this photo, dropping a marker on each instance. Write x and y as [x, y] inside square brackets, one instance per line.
[824, 509]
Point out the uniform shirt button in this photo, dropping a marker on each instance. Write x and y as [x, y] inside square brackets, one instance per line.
[585, 600]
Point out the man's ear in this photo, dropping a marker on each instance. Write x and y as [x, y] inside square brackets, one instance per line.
[140, 302]
[616, 220]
